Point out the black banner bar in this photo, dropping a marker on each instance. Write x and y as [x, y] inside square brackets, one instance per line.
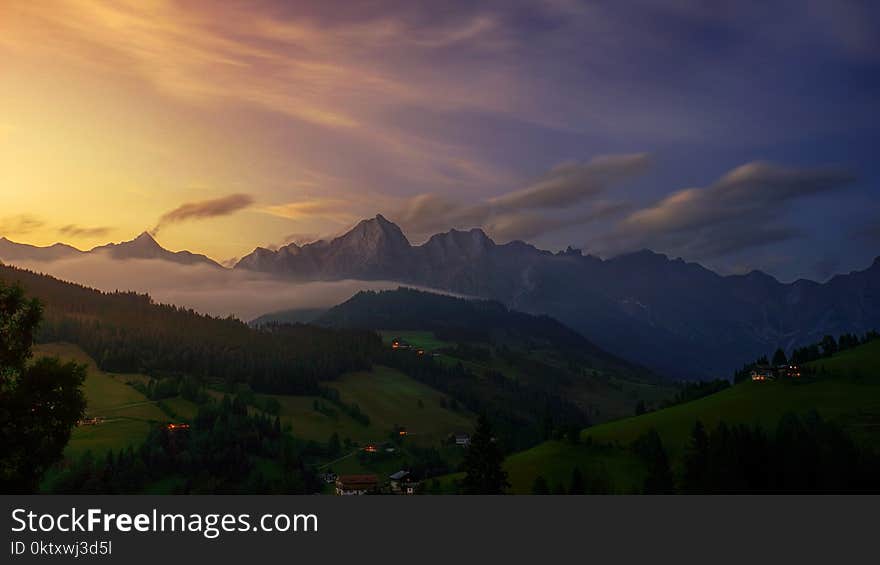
[239, 529]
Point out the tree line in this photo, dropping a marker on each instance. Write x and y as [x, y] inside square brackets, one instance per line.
[823, 349]
[126, 332]
[802, 454]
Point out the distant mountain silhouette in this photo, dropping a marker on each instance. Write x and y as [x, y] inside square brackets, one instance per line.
[679, 318]
[373, 249]
[145, 247]
[12, 251]
[142, 247]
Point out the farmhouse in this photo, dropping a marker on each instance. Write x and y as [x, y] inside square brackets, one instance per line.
[767, 373]
[347, 485]
[402, 482]
[87, 421]
[763, 373]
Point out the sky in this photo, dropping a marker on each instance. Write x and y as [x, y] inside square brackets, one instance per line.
[740, 135]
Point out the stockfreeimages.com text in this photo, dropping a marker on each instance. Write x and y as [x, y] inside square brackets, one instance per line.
[209, 525]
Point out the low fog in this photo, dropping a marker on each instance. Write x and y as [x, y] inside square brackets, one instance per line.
[245, 295]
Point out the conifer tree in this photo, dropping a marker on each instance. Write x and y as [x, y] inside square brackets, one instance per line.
[482, 463]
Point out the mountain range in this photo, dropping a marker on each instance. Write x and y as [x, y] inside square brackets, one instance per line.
[143, 246]
[676, 317]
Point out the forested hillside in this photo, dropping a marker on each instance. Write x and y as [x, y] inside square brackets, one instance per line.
[461, 320]
[128, 332]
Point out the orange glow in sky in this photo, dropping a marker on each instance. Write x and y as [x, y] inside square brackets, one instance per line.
[113, 113]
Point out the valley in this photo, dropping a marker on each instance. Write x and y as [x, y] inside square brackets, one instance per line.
[678, 318]
[388, 381]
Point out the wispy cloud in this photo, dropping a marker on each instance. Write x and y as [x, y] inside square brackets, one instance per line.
[75, 230]
[568, 184]
[322, 207]
[569, 194]
[745, 208]
[20, 224]
[341, 75]
[204, 209]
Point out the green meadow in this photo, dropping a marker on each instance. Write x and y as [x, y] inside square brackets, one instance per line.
[126, 413]
[746, 403]
[847, 392]
[862, 362]
[388, 397]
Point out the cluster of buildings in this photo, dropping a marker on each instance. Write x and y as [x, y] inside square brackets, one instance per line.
[401, 482]
[770, 373]
[90, 421]
[400, 344]
[172, 427]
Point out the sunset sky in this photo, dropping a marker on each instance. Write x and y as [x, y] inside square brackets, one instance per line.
[742, 137]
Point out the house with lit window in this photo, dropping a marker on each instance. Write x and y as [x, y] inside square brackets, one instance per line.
[767, 373]
[763, 373]
[402, 482]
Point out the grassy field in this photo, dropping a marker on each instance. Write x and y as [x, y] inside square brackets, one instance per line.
[307, 423]
[126, 412]
[747, 403]
[861, 362]
[556, 460]
[603, 396]
[388, 397]
[181, 408]
[848, 393]
[391, 399]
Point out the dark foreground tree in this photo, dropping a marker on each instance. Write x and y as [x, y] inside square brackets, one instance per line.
[650, 448]
[577, 485]
[540, 486]
[806, 454]
[696, 461]
[482, 463]
[40, 402]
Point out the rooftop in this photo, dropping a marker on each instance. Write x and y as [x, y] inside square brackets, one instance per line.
[357, 479]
